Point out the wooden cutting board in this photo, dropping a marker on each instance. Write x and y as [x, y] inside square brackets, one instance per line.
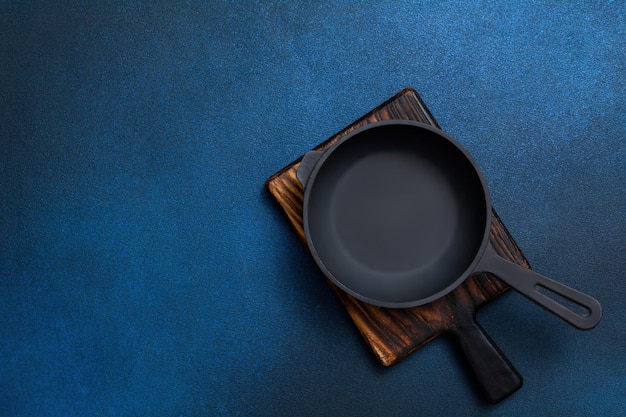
[392, 334]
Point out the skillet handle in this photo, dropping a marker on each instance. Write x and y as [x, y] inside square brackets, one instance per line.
[535, 286]
[306, 166]
[496, 376]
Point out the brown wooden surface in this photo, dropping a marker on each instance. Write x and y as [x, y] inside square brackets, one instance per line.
[392, 334]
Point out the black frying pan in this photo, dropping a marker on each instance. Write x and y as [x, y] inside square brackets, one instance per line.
[398, 214]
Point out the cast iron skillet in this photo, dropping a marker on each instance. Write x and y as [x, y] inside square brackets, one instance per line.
[398, 214]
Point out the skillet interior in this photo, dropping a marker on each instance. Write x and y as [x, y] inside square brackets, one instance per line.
[396, 215]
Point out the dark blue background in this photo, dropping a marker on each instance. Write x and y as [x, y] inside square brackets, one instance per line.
[145, 270]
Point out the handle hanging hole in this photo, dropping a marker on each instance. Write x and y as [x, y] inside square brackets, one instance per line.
[566, 302]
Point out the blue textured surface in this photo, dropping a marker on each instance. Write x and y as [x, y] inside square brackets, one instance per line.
[144, 270]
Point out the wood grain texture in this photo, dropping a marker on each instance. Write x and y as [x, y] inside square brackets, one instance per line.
[392, 334]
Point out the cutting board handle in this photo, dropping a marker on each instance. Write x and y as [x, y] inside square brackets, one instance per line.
[495, 375]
